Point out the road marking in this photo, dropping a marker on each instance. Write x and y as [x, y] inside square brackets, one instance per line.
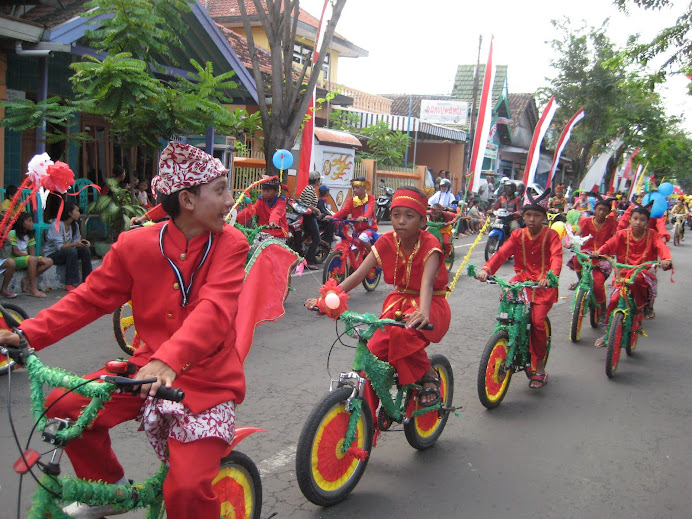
[278, 461]
[469, 244]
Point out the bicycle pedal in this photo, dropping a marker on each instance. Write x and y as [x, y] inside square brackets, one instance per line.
[384, 421]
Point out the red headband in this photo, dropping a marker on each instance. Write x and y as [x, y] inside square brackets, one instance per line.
[412, 200]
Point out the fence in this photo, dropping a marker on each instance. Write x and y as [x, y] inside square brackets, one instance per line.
[243, 177]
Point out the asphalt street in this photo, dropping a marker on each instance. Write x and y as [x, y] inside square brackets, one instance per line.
[582, 447]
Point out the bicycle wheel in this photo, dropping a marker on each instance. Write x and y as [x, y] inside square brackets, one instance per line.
[491, 247]
[372, 279]
[549, 339]
[333, 268]
[676, 234]
[423, 431]
[19, 314]
[493, 379]
[124, 328]
[450, 260]
[615, 331]
[325, 474]
[239, 487]
[634, 338]
[322, 252]
[580, 302]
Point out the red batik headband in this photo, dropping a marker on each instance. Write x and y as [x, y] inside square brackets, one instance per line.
[182, 166]
[410, 199]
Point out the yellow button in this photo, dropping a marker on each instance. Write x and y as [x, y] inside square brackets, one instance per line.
[170, 316]
[176, 286]
[183, 256]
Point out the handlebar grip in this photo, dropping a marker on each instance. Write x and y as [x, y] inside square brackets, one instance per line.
[402, 324]
[174, 394]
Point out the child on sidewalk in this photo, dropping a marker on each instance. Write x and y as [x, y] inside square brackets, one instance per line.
[412, 261]
[24, 254]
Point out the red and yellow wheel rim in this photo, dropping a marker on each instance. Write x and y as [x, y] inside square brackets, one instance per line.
[331, 468]
[3, 362]
[495, 382]
[580, 318]
[234, 488]
[616, 348]
[426, 424]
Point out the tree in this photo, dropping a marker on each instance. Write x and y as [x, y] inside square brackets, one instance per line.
[290, 88]
[673, 43]
[617, 101]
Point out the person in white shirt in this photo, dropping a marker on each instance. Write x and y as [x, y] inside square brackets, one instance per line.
[443, 197]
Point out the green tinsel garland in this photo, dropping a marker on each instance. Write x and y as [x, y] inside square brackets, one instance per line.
[350, 436]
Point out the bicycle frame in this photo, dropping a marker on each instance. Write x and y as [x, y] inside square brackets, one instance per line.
[381, 375]
[352, 259]
[585, 281]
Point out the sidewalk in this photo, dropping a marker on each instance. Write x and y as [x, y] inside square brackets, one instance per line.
[52, 279]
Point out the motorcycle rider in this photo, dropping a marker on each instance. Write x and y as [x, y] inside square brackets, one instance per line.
[310, 226]
[325, 211]
[509, 202]
[444, 196]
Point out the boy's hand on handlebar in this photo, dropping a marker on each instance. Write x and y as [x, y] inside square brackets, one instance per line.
[9, 338]
[311, 303]
[159, 369]
[543, 283]
[417, 320]
[362, 219]
[666, 264]
[482, 276]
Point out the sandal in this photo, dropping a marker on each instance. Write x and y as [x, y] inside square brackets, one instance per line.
[8, 294]
[573, 286]
[648, 315]
[600, 342]
[426, 391]
[538, 380]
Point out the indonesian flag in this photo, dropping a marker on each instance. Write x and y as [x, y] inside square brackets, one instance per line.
[564, 139]
[308, 140]
[480, 140]
[623, 174]
[538, 134]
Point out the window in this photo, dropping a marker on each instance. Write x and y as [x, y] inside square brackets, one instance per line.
[302, 53]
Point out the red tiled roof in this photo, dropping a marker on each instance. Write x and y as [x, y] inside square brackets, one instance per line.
[518, 103]
[48, 15]
[240, 47]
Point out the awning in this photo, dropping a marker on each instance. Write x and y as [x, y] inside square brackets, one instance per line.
[326, 136]
[404, 123]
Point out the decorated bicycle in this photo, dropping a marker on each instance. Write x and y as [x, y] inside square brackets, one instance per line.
[338, 436]
[18, 314]
[443, 232]
[584, 302]
[237, 484]
[507, 351]
[347, 256]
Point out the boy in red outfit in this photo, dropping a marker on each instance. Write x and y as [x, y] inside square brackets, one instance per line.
[184, 277]
[537, 250]
[438, 214]
[634, 246]
[270, 209]
[601, 229]
[362, 208]
[412, 261]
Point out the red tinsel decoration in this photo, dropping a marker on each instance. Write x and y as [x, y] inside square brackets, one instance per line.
[332, 286]
[59, 177]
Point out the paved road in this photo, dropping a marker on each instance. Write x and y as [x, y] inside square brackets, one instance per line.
[583, 447]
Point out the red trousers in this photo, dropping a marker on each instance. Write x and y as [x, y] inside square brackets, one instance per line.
[538, 340]
[640, 292]
[187, 491]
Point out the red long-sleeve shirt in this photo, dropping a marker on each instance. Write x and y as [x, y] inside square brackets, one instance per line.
[631, 251]
[267, 212]
[367, 210]
[198, 340]
[655, 224]
[599, 235]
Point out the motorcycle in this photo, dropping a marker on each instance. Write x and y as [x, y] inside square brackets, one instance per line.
[383, 204]
[297, 239]
[499, 233]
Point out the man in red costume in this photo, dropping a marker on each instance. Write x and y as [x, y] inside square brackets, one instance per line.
[537, 250]
[184, 277]
[361, 207]
[601, 229]
[634, 246]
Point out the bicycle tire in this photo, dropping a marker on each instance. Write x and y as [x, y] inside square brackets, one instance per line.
[615, 332]
[123, 327]
[372, 279]
[322, 252]
[548, 340]
[19, 314]
[491, 247]
[424, 430]
[239, 487]
[492, 385]
[580, 300]
[450, 260]
[324, 477]
[594, 315]
[676, 234]
[331, 264]
[631, 345]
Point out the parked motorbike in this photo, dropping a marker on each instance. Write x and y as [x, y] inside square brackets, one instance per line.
[499, 233]
[298, 240]
[383, 204]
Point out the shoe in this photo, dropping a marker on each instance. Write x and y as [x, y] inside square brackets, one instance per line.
[310, 266]
[69, 288]
[82, 511]
[573, 286]
[9, 295]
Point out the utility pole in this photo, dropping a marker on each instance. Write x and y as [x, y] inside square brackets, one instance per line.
[472, 136]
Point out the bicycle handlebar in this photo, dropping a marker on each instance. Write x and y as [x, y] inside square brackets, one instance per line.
[132, 385]
[369, 319]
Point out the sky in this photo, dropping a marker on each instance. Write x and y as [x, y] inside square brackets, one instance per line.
[415, 46]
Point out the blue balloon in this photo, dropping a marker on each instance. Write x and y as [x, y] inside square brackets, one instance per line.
[647, 198]
[665, 189]
[282, 159]
[660, 207]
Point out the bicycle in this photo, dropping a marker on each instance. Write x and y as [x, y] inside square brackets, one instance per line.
[625, 322]
[338, 436]
[679, 229]
[18, 313]
[584, 299]
[507, 351]
[342, 261]
[438, 229]
[238, 483]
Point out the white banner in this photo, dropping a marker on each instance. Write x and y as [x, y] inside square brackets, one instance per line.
[443, 111]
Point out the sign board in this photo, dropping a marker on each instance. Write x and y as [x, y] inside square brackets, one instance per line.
[13, 95]
[336, 166]
[444, 111]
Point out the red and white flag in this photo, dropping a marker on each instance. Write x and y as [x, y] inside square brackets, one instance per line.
[480, 140]
[636, 180]
[564, 139]
[538, 134]
[308, 139]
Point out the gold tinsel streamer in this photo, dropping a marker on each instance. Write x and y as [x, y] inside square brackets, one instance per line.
[485, 227]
